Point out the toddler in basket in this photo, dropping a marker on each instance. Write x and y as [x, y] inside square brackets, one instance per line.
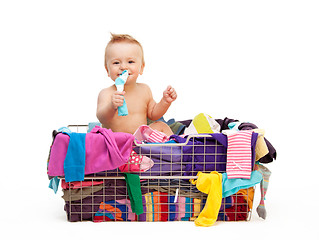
[123, 52]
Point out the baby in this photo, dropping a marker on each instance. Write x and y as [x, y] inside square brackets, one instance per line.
[123, 52]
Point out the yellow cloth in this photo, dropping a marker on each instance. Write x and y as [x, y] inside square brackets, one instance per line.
[149, 208]
[202, 123]
[211, 184]
[261, 146]
[197, 203]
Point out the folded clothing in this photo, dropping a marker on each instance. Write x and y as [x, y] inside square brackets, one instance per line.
[82, 209]
[80, 184]
[239, 155]
[115, 192]
[146, 133]
[202, 123]
[233, 185]
[158, 206]
[137, 163]
[104, 150]
[74, 162]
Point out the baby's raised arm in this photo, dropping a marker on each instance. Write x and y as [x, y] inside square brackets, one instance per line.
[169, 95]
[157, 110]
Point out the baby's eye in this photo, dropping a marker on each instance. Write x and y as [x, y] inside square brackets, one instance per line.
[131, 61]
[116, 62]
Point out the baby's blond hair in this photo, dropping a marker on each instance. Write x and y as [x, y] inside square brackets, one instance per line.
[115, 38]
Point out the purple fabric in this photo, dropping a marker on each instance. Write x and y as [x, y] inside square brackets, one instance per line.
[104, 150]
[208, 154]
[249, 126]
[200, 154]
[272, 151]
[84, 209]
[167, 159]
[204, 154]
[244, 126]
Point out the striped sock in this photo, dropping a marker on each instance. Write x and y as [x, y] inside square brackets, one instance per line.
[239, 155]
[157, 136]
[261, 209]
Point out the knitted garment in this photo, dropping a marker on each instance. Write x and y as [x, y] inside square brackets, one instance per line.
[239, 155]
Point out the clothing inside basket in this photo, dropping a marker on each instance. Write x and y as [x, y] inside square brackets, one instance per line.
[165, 171]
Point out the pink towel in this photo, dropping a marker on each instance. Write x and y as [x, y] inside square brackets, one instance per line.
[239, 155]
[104, 150]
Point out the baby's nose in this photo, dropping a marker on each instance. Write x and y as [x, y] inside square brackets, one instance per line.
[123, 66]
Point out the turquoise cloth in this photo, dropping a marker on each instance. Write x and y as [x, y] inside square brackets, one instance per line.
[65, 130]
[122, 110]
[121, 80]
[231, 186]
[93, 125]
[74, 162]
[54, 184]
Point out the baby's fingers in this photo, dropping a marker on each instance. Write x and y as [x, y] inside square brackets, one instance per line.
[170, 94]
[174, 94]
[171, 91]
[169, 88]
[117, 99]
[117, 93]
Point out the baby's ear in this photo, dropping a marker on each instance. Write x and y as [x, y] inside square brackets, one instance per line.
[142, 69]
[108, 74]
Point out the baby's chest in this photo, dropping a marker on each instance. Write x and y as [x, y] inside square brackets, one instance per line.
[136, 104]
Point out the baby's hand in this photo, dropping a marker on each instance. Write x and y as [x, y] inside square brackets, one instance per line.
[169, 95]
[117, 99]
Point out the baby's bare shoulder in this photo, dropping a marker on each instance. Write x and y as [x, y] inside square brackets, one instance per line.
[106, 93]
[145, 90]
[143, 87]
[108, 90]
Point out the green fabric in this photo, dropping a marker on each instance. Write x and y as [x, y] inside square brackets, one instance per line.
[134, 191]
[176, 127]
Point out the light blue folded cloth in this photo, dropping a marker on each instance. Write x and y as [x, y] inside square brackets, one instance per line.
[119, 83]
[231, 186]
[74, 162]
[122, 110]
[93, 125]
[54, 184]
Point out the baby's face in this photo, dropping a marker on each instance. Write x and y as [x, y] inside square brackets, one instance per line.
[124, 56]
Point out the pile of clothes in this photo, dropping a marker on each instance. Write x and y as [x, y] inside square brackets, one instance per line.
[220, 184]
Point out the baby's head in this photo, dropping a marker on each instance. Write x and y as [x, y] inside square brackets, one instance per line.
[123, 52]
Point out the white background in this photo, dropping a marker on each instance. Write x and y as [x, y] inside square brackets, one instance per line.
[255, 61]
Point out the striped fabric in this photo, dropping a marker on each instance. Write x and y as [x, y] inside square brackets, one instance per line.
[161, 207]
[158, 206]
[157, 136]
[239, 155]
[261, 210]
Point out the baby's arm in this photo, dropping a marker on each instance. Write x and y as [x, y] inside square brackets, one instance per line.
[169, 95]
[107, 104]
[157, 110]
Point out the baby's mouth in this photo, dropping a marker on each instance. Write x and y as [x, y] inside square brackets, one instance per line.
[121, 74]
